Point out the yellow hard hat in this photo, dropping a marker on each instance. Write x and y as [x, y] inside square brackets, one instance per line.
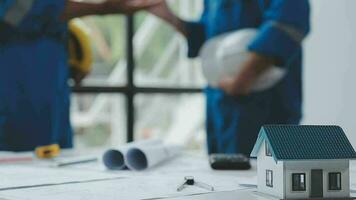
[79, 48]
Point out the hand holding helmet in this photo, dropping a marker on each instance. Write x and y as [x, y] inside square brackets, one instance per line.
[129, 6]
[227, 63]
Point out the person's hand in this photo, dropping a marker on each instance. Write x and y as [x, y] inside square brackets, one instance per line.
[77, 76]
[162, 10]
[129, 6]
[74, 8]
[241, 85]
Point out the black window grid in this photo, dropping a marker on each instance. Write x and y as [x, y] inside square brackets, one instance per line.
[130, 90]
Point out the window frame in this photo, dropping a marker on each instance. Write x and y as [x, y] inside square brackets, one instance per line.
[269, 178]
[130, 90]
[298, 188]
[339, 177]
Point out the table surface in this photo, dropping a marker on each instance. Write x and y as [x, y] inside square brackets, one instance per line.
[189, 164]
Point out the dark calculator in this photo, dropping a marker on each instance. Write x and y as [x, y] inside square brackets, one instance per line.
[229, 162]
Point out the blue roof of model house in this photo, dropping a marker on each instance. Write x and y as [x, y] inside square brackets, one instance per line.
[288, 142]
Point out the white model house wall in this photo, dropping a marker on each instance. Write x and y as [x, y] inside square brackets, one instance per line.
[327, 166]
[268, 163]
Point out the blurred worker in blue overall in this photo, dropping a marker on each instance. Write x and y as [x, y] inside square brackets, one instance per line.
[234, 114]
[34, 95]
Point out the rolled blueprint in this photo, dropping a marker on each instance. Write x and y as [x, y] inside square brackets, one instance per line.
[114, 158]
[144, 157]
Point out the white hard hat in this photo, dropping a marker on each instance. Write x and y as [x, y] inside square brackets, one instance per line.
[223, 57]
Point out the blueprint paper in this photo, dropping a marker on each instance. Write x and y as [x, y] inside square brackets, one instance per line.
[135, 188]
[28, 176]
[114, 158]
[158, 182]
[144, 157]
[233, 195]
[140, 155]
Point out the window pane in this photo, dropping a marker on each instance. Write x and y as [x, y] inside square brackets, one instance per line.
[268, 149]
[298, 182]
[295, 182]
[176, 118]
[108, 40]
[98, 120]
[269, 178]
[338, 180]
[334, 181]
[161, 53]
[302, 182]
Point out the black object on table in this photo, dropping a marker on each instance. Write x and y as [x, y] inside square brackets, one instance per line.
[229, 162]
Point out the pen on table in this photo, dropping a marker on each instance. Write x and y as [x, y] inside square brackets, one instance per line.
[76, 161]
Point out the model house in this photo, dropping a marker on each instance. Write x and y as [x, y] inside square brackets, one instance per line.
[301, 162]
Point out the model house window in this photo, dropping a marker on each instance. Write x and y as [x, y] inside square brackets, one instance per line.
[269, 178]
[335, 181]
[298, 182]
[268, 149]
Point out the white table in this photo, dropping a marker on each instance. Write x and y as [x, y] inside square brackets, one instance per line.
[149, 184]
[129, 185]
[234, 195]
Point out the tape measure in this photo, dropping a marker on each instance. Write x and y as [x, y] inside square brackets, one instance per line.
[50, 151]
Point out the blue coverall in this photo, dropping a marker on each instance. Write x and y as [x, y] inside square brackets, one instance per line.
[233, 123]
[34, 95]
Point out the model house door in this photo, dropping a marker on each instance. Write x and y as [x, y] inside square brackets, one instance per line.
[316, 183]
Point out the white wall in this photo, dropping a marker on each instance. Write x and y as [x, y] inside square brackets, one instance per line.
[267, 163]
[330, 66]
[327, 166]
